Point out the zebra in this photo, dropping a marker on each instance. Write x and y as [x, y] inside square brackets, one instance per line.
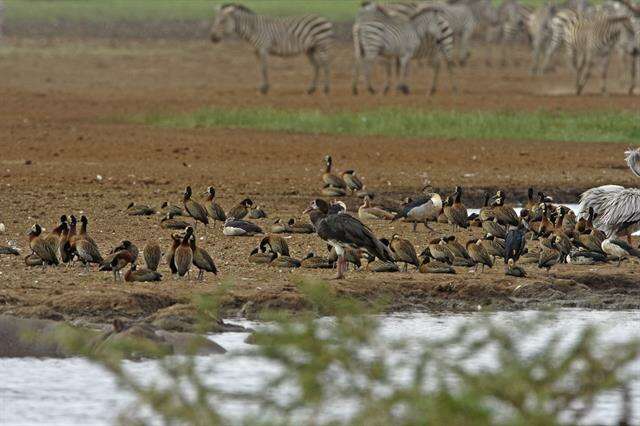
[459, 16]
[512, 19]
[587, 38]
[285, 37]
[629, 44]
[487, 23]
[377, 32]
[540, 32]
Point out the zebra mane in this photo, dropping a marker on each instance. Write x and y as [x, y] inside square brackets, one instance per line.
[240, 7]
[633, 160]
[424, 9]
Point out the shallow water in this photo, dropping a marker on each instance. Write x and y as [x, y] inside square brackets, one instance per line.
[76, 392]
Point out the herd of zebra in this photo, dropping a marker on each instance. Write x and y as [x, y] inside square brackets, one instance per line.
[435, 32]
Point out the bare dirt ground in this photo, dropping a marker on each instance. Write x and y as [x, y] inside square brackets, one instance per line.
[58, 100]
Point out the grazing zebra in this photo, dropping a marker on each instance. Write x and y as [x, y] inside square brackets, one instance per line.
[629, 45]
[487, 23]
[587, 38]
[512, 19]
[377, 32]
[540, 32]
[459, 16]
[309, 34]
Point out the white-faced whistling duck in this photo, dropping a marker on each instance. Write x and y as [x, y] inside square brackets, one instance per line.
[583, 257]
[214, 210]
[124, 245]
[491, 226]
[379, 266]
[486, 211]
[64, 245]
[183, 256]
[364, 192]
[342, 231]
[330, 179]
[422, 209]
[478, 254]
[152, 255]
[40, 248]
[531, 203]
[285, 262]
[300, 228]
[544, 227]
[195, 210]
[493, 246]
[439, 250]
[141, 275]
[591, 241]
[404, 251]
[176, 240]
[460, 253]
[311, 261]
[280, 227]
[73, 233]
[53, 237]
[514, 243]
[619, 249]
[352, 181]
[506, 215]
[83, 234]
[351, 256]
[257, 213]
[168, 222]
[515, 270]
[33, 259]
[139, 210]
[368, 212]
[9, 250]
[167, 208]
[275, 244]
[202, 260]
[456, 212]
[257, 256]
[241, 210]
[549, 256]
[119, 261]
[240, 228]
[332, 191]
[429, 266]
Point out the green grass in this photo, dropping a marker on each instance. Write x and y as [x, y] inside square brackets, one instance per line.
[413, 123]
[142, 10]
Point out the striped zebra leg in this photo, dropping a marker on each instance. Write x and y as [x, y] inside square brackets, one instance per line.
[635, 62]
[316, 72]
[388, 65]
[367, 66]
[605, 70]
[262, 57]
[404, 72]
[436, 72]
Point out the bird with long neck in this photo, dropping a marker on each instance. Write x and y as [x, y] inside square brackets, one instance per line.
[343, 231]
[195, 210]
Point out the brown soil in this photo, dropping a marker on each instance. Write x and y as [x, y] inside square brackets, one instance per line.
[57, 134]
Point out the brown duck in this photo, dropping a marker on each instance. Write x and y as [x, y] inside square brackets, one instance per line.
[202, 260]
[195, 209]
[152, 255]
[241, 210]
[39, 246]
[330, 179]
[183, 256]
[141, 275]
[214, 210]
[404, 251]
[478, 254]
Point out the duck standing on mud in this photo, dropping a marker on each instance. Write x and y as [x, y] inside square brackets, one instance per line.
[344, 231]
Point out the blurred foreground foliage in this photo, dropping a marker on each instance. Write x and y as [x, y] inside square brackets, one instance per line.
[321, 363]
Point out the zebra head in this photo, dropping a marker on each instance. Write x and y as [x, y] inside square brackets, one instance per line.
[225, 20]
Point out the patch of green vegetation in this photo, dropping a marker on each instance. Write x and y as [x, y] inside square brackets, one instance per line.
[143, 10]
[415, 123]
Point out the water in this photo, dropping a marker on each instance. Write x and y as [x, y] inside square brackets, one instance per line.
[76, 392]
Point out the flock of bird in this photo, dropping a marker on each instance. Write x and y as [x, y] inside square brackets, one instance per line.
[562, 236]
